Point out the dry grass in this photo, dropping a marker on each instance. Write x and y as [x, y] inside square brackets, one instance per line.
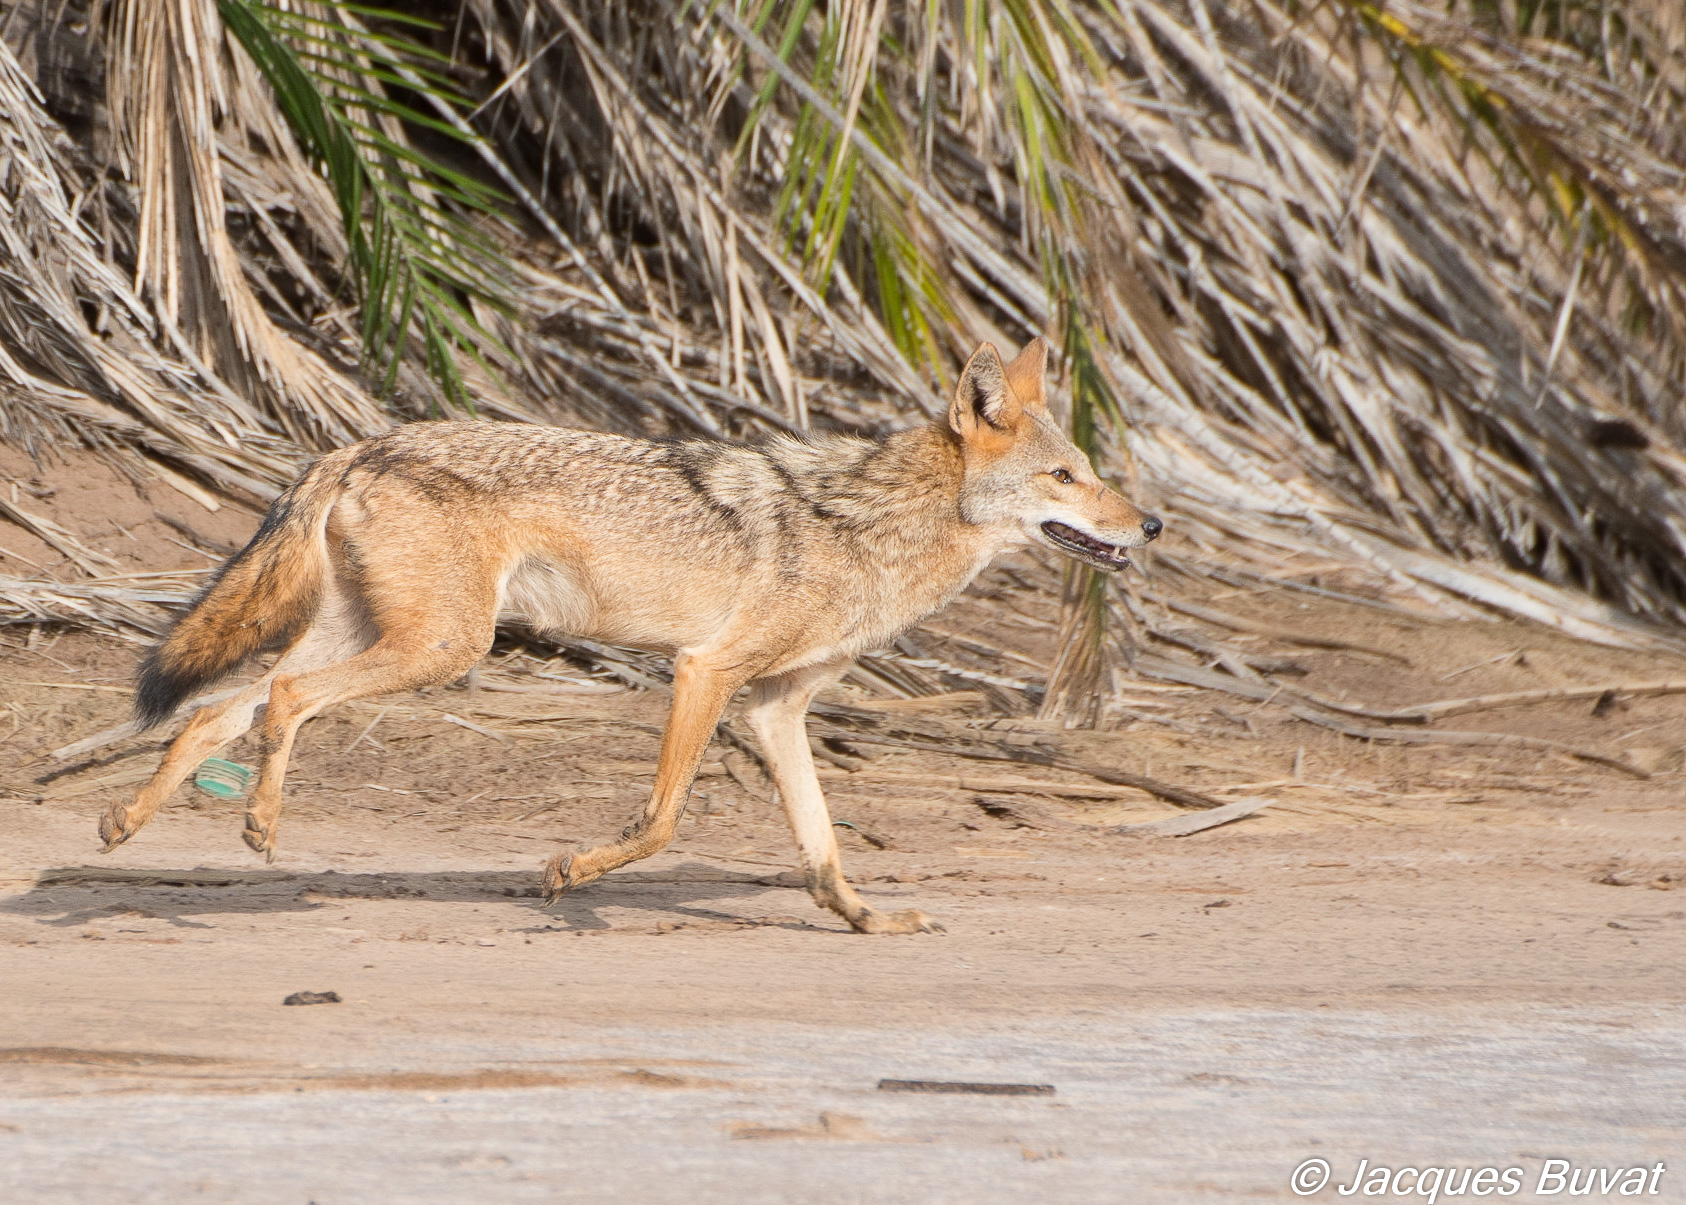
[1393, 289]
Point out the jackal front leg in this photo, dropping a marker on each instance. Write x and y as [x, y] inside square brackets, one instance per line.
[777, 713]
[702, 684]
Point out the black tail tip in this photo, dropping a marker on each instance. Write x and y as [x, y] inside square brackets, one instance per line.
[158, 692]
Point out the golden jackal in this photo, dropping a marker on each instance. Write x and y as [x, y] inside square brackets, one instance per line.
[384, 568]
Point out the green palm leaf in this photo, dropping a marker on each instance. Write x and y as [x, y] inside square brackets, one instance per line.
[415, 259]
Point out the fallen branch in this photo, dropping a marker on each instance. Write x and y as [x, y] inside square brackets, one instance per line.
[1196, 642]
[122, 732]
[872, 776]
[1426, 712]
[1028, 816]
[1185, 826]
[1170, 793]
[1260, 690]
[1419, 737]
[472, 727]
[1167, 670]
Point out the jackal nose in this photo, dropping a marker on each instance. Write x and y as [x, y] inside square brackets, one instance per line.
[1151, 526]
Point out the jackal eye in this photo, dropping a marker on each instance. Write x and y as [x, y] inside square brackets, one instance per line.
[1063, 476]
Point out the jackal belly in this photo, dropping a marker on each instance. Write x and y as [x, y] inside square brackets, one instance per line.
[791, 621]
[663, 608]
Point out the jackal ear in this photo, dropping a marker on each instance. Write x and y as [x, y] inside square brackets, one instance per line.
[1025, 375]
[982, 399]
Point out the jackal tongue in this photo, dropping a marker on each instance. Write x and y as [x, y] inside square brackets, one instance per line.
[1086, 547]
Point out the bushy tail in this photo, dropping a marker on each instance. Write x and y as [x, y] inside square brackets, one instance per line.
[265, 594]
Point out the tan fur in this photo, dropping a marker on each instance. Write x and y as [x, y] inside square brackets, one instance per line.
[772, 566]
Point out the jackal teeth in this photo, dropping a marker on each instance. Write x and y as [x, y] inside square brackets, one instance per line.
[1085, 547]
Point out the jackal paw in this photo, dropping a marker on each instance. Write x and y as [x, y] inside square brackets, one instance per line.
[260, 836]
[558, 878]
[895, 922]
[115, 828]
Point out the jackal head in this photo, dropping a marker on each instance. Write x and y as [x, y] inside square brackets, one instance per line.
[1021, 470]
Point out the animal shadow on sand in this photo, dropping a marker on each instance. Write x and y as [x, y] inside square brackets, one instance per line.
[78, 895]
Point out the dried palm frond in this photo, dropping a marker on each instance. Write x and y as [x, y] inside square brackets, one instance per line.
[166, 89]
[77, 359]
[135, 607]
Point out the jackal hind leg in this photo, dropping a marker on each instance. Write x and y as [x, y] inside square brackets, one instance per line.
[777, 714]
[421, 643]
[702, 685]
[211, 727]
[338, 632]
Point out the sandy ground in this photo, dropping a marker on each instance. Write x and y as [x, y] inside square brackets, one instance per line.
[1453, 957]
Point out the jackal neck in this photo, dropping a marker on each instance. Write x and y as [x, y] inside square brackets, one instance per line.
[898, 504]
[903, 493]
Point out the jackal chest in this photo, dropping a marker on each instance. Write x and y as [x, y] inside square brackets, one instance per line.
[870, 610]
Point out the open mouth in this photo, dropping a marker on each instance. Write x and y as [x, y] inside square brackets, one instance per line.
[1086, 548]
